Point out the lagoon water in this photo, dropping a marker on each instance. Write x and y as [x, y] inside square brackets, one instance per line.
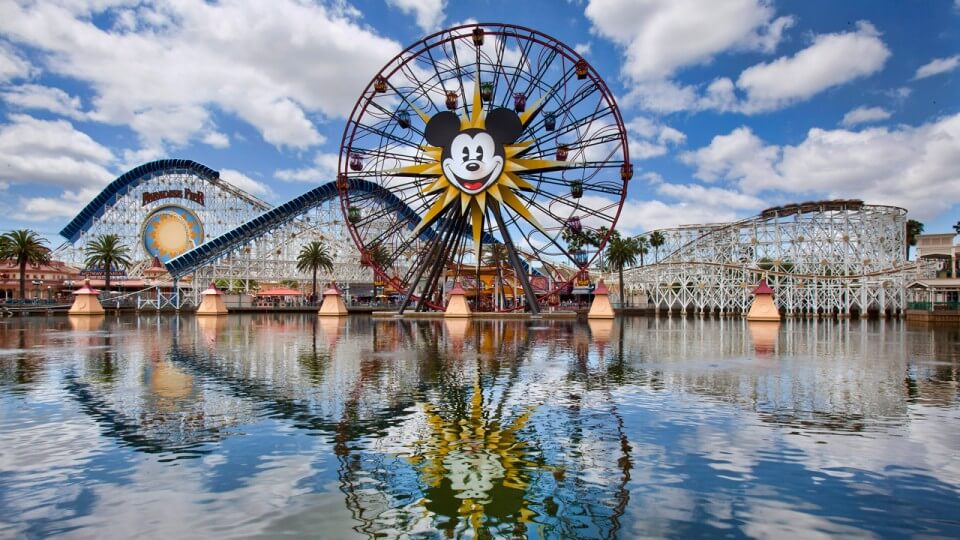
[282, 425]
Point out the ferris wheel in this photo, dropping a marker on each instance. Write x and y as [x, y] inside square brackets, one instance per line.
[484, 146]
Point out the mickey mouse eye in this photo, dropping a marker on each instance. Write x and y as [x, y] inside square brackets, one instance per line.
[466, 154]
[479, 153]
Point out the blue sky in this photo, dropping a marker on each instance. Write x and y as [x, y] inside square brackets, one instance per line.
[731, 106]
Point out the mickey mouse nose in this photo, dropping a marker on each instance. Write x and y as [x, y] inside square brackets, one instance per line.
[473, 167]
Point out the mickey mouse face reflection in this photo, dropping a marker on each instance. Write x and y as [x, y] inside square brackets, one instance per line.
[473, 159]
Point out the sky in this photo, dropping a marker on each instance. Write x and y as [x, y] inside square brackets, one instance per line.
[731, 106]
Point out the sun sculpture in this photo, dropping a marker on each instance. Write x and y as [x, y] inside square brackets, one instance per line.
[170, 231]
[476, 157]
[480, 141]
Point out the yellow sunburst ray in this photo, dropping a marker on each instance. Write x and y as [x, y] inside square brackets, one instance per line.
[511, 150]
[476, 216]
[423, 116]
[519, 182]
[478, 118]
[437, 185]
[514, 202]
[526, 115]
[432, 213]
[494, 192]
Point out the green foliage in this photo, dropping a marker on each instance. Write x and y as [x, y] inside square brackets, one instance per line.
[314, 256]
[656, 240]
[914, 229]
[24, 247]
[107, 252]
[290, 283]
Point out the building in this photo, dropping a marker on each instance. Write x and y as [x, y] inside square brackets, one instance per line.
[940, 247]
[52, 281]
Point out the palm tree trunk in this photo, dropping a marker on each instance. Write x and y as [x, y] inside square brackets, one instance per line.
[23, 281]
[314, 284]
[106, 283]
[623, 294]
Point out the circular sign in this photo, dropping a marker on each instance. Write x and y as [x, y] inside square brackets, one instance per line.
[170, 231]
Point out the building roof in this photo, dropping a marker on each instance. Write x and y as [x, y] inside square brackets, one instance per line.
[935, 283]
[763, 288]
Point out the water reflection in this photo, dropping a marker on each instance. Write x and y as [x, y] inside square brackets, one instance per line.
[279, 424]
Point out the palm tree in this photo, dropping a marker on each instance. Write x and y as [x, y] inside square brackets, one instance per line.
[312, 257]
[107, 252]
[621, 253]
[657, 240]
[914, 229]
[642, 244]
[957, 227]
[24, 247]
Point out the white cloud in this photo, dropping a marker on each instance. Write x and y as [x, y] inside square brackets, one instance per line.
[661, 96]
[216, 139]
[938, 66]
[583, 49]
[913, 167]
[12, 65]
[640, 216]
[163, 69]
[245, 183]
[714, 197]
[739, 155]
[66, 206]
[51, 152]
[428, 13]
[649, 138]
[831, 60]
[662, 36]
[863, 115]
[45, 98]
[324, 169]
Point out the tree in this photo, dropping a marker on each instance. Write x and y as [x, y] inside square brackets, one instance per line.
[107, 252]
[312, 257]
[914, 229]
[497, 256]
[957, 227]
[642, 244]
[24, 247]
[621, 253]
[657, 240]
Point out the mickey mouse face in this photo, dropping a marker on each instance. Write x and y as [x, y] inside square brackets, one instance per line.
[473, 159]
[474, 162]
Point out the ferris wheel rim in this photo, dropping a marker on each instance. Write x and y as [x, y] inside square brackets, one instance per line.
[438, 39]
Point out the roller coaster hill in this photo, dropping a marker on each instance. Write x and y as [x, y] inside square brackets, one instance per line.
[821, 258]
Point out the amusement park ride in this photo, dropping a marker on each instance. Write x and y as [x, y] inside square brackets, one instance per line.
[491, 137]
[494, 157]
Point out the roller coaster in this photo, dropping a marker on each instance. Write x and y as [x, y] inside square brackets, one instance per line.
[822, 258]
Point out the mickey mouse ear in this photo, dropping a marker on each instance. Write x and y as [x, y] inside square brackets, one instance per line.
[504, 125]
[442, 128]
